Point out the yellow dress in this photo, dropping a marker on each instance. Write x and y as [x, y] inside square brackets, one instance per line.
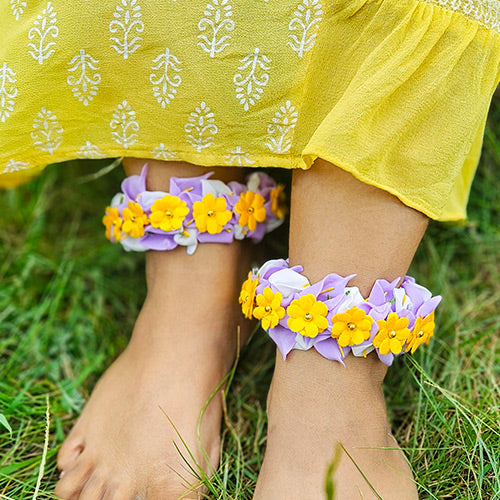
[394, 91]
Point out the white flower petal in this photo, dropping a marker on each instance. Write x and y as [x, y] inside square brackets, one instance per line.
[132, 244]
[190, 241]
[238, 232]
[118, 199]
[357, 350]
[272, 224]
[353, 298]
[271, 263]
[300, 343]
[147, 198]
[214, 187]
[401, 296]
[253, 182]
[288, 282]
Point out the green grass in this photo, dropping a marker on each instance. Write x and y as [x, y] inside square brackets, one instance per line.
[68, 300]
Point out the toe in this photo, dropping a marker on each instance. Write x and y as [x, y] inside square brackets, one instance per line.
[121, 492]
[69, 452]
[94, 488]
[73, 480]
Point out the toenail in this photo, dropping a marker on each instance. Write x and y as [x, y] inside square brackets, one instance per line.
[61, 474]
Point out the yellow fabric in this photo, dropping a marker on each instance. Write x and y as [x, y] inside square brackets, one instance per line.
[394, 91]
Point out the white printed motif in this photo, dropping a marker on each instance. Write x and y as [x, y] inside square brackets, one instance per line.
[89, 150]
[86, 79]
[17, 7]
[127, 16]
[200, 127]
[238, 157]
[125, 124]
[218, 14]
[485, 12]
[46, 133]
[305, 23]
[281, 129]
[163, 153]
[250, 87]
[165, 84]
[8, 92]
[44, 25]
[14, 166]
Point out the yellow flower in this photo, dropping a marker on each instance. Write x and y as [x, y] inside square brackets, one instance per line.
[351, 327]
[269, 309]
[392, 334]
[250, 206]
[113, 220]
[278, 206]
[247, 295]
[307, 316]
[210, 214]
[168, 213]
[422, 332]
[134, 220]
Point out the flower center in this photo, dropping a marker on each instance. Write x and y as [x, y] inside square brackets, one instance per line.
[210, 213]
[251, 210]
[392, 334]
[267, 309]
[420, 333]
[308, 316]
[168, 213]
[351, 326]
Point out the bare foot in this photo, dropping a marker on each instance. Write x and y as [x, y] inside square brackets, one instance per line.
[314, 404]
[183, 344]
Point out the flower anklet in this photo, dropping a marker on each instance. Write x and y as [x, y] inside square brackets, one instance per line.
[335, 318]
[196, 210]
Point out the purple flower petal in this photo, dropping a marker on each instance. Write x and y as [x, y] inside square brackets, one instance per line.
[429, 306]
[193, 184]
[259, 232]
[133, 185]
[158, 241]
[329, 348]
[387, 359]
[222, 237]
[283, 338]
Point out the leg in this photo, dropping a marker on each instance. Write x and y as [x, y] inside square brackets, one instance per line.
[182, 345]
[349, 227]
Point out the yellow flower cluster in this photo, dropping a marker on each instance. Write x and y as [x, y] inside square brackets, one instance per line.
[308, 316]
[132, 224]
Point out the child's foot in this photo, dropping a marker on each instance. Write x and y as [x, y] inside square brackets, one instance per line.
[315, 403]
[183, 344]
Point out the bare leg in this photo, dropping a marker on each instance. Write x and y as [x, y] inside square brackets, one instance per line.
[182, 346]
[338, 224]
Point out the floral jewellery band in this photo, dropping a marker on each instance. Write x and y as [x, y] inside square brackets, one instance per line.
[196, 210]
[334, 318]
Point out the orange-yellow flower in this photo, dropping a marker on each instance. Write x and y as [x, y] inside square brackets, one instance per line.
[113, 223]
[278, 206]
[269, 309]
[247, 295]
[134, 220]
[392, 334]
[168, 213]
[210, 214]
[351, 327]
[422, 332]
[307, 316]
[250, 206]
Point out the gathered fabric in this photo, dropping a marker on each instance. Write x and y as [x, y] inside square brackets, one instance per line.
[396, 92]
